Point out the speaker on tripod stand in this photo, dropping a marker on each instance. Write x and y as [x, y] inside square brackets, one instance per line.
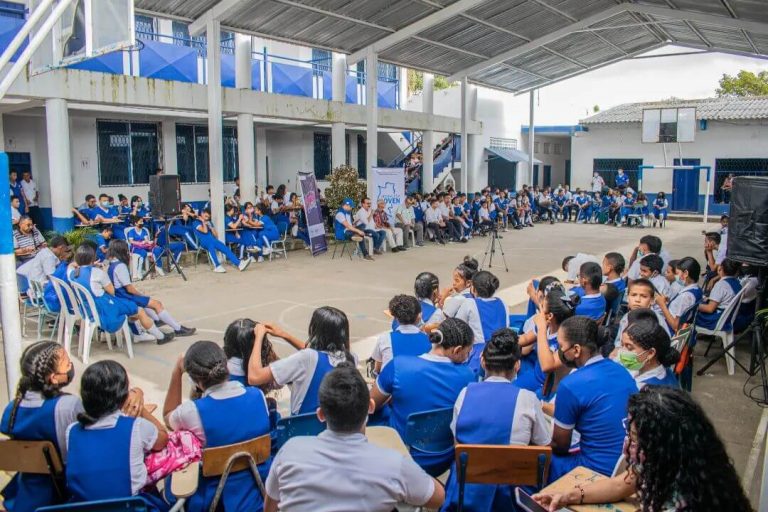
[748, 243]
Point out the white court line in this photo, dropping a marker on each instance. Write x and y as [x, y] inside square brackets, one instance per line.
[754, 454]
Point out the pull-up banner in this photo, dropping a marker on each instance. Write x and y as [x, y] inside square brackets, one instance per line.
[313, 213]
[390, 186]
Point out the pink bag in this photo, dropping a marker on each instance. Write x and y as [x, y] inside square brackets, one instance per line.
[182, 448]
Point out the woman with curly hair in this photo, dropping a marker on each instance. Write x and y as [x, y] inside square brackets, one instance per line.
[677, 462]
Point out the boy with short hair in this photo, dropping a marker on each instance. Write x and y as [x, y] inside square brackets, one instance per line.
[367, 477]
[592, 303]
[650, 269]
[613, 267]
[649, 244]
[640, 295]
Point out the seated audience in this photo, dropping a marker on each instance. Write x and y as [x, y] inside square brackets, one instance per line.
[673, 287]
[660, 207]
[680, 310]
[426, 287]
[44, 263]
[640, 296]
[27, 241]
[674, 455]
[208, 238]
[651, 269]
[339, 470]
[344, 229]
[404, 340]
[452, 297]
[592, 303]
[722, 295]
[142, 243]
[647, 354]
[394, 235]
[364, 221]
[407, 221]
[434, 222]
[649, 244]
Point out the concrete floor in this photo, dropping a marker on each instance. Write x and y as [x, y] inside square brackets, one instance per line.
[287, 292]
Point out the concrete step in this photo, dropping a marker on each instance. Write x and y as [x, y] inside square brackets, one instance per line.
[692, 217]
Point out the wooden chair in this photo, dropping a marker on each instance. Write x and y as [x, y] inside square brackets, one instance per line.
[33, 457]
[221, 461]
[501, 465]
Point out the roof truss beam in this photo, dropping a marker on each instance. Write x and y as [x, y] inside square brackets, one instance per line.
[698, 17]
[690, 25]
[744, 33]
[215, 13]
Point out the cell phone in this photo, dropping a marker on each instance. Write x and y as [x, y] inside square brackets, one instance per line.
[526, 502]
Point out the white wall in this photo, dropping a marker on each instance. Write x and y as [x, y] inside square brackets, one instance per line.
[622, 140]
[289, 151]
[556, 161]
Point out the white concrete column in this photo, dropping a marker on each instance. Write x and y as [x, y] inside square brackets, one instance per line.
[353, 149]
[531, 136]
[170, 156]
[261, 158]
[2, 134]
[473, 161]
[428, 137]
[465, 115]
[339, 130]
[372, 111]
[246, 156]
[215, 148]
[59, 163]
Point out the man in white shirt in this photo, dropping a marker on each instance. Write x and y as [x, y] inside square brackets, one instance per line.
[15, 214]
[45, 261]
[597, 182]
[364, 221]
[393, 234]
[364, 476]
[451, 223]
[31, 196]
[406, 220]
[434, 221]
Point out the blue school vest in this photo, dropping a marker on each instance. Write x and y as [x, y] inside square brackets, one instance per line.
[49, 294]
[593, 307]
[669, 380]
[687, 316]
[485, 418]
[27, 492]
[493, 315]
[240, 492]
[709, 320]
[409, 344]
[533, 380]
[112, 310]
[427, 310]
[311, 401]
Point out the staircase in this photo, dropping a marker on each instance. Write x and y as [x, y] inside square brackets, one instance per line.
[445, 160]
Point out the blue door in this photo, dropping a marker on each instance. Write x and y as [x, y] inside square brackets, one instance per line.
[547, 175]
[567, 173]
[685, 186]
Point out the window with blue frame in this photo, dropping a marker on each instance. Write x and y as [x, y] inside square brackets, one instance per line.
[192, 153]
[145, 27]
[12, 10]
[228, 43]
[387, 71]
[608, 169]
[322, 155]
[321, 61]
[128, 152]
[737, 167]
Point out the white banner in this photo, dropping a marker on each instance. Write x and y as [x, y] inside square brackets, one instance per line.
[389, 185]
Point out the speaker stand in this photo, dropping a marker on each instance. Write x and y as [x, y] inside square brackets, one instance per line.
[166, 252]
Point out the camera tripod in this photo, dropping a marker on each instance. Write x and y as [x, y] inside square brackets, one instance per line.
[172, 264]
[490, 251]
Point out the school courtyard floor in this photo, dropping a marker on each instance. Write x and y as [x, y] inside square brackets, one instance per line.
[287, 291]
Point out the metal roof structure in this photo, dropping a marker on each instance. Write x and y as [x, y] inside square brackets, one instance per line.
[511, 155]
[712, 109]
[512, 45]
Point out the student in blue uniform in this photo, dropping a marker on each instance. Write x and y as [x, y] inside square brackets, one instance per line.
[426, 287]
[344, 228]
[268, 231]
[107, 442]
[183, 228]
[102, 239]
[211, 419]
[112, 310]
[123, 205]
[235, 235]
[103, 210]
[627, 207]
[592, 400]
[302, 372]
[673, 287]
[722, 295]
[622, 180]
[613, 268]
[681, 309]
[16, 190]
[406, 339]
[49, 294]
[460, 289]
[647, 354]
[497, 412]
[119, 258]
[484, 313]
[138, 208]
[207, 236]
[430, 381]
[40, 411]
[660, 207]
[592, 303]
[142, 243]
[651, 269]
[584, 205]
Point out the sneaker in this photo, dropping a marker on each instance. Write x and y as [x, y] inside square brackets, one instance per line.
[185, 331]
[144, 336]
[244, 264]
[159, 270]
[420, 244]
[464, 240]
[368, 257]
[261, 259]
[396, 249]
[402, 248]
[266, 250]
[654, 223]
[167, 338]
[378, 252]
[220, 270]
[357, 238]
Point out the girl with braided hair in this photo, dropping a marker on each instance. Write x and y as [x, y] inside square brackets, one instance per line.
[302, 372]
[677, 462]
[430, 381]
[106, 447]
[39, 412]
[647, 354]
[227, 413]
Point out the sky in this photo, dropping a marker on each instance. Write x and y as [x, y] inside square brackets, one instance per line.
[689, 76]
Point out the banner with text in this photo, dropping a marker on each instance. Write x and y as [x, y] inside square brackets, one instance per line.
[389, 183]
[313, 213]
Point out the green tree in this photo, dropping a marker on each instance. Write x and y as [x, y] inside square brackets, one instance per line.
[596, 109]
[344, 182]
[746, 83]
[416, 82]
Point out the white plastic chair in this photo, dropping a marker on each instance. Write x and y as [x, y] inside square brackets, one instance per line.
[92, 323]
[278, 247]
[45, 312]
[727, 317]
[65, 294]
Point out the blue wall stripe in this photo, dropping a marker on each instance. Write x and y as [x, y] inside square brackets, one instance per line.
[63, 224]
[6, 225]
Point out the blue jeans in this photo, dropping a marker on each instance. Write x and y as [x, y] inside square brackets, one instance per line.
[211, 244]
[377, 236]
[362, 245]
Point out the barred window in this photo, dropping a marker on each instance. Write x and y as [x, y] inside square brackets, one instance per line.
[558, 149]
[192, 153]
[322, 155]
[128, 152]
[546, 148]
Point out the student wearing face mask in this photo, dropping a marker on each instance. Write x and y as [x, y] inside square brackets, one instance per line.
[680, 310]
[647, 354]
[430, 381]
[40, 411]
[591, 400]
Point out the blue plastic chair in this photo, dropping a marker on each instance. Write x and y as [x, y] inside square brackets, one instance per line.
[132, 504]
[299, 425]
[429, 432]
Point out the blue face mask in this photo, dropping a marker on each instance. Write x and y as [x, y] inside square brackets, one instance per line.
[679, 280]
[105, 204]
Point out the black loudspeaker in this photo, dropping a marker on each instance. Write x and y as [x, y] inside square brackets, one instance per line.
[165, 195]
[748, 224]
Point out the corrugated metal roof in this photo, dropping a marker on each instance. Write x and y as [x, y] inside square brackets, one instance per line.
[492, 29]
[512, 155]
[713, 109]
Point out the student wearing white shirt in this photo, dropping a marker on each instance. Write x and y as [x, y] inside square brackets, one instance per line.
[364, 221]
[649, 244]
[345, 230]
[366, 476]
[31, 196]
[678, 311]
[451, 222]
[434, 221]
[714, 251]
[406, 338]
[15, 214]
[45, 261]
[650, 268]
[406, 220]
[721, 296]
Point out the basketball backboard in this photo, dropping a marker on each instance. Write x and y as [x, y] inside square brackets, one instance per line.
[88, 28]
[665, 125]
